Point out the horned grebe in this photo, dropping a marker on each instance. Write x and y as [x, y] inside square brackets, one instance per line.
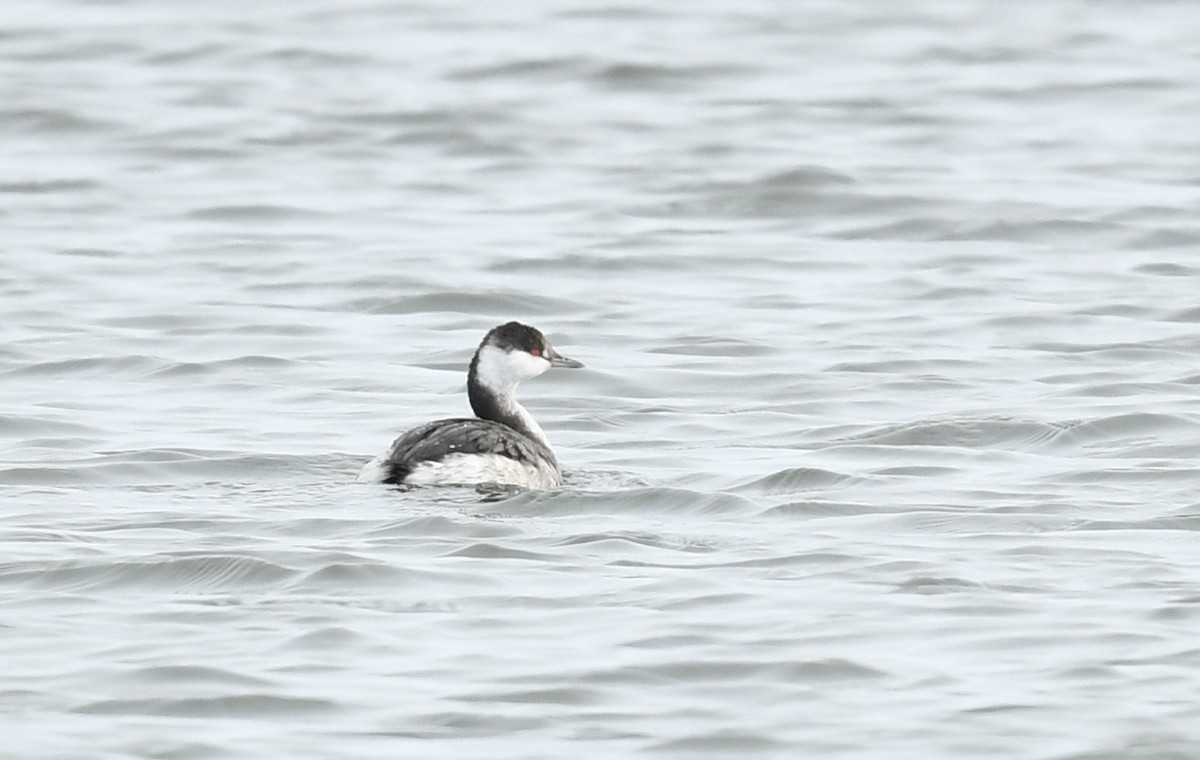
[505, 445]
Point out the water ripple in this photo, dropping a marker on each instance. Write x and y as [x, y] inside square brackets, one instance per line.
[887, 443]
[198, 573]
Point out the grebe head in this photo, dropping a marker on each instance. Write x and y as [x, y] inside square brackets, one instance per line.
[513, 352]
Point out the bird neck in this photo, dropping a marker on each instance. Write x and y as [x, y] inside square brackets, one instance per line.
[501, 405]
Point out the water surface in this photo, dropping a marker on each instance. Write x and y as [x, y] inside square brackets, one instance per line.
[886, 446]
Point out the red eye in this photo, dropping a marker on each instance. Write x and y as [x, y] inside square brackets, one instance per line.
[535, 351]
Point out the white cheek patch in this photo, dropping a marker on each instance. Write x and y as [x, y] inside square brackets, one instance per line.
[498, 368]
[530, 365]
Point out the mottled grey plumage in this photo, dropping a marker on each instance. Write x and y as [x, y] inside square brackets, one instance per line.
[434, 441]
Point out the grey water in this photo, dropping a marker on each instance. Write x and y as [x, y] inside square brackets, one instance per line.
[887, 446]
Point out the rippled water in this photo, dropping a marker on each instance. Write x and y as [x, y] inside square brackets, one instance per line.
[887, 445]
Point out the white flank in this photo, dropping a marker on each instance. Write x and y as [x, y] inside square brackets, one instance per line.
[474, 469]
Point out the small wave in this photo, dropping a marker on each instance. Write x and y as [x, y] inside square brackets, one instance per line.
[798, 192]
[253, 212]
[155, 466]
[1004, 433]
[639, 76]
[441, 525]
[966, 433]
[91, 365]
[172, 675]
[563, 695]
[1183, 522]
[953, 293]
[356, 574]
[489, 550]
[51, 186]
[1162, 477]
[1032, 231]
[623, 540]
[523, 68]
[1120, 350]
[805, 671]
[1185, 315]
[51, 121]
[791, 480]
[327, 639]
[1118, 427]
[643, 501]
[238, 706]
[198, 573]
[703, 345]
[822, 508]
[721, 743]
[47, 428]
[479, 303]
[458, 140]
[1120, 389]
[1168, 269]
[249, 361]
